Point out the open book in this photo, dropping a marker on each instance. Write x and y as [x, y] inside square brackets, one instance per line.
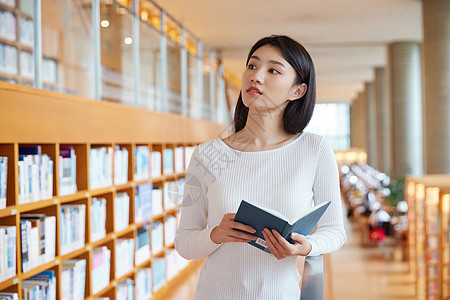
[260, 218]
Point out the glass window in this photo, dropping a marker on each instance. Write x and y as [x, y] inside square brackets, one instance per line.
[332, 120]
[117, 53]
[67, 48]
[174, 77]
[206, 69]
[150, 55]
[193, 86]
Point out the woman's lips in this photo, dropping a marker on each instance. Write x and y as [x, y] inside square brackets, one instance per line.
[253, 91]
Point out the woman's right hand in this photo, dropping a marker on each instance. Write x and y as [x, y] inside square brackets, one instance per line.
[225, 233]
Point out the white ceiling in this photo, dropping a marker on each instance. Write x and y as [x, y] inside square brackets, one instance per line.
[346, 38]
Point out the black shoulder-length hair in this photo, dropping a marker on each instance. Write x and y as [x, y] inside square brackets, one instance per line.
[297, 113]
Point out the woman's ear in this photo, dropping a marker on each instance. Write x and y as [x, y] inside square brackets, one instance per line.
[298, 91]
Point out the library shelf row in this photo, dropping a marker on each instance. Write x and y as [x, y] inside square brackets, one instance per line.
[428, 199]
[83, 124]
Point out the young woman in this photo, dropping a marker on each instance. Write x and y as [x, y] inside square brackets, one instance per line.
[270, 161]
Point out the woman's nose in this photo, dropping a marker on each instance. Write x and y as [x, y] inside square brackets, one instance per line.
[257, 77]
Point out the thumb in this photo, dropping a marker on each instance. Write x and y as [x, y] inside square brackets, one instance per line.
[299, 238]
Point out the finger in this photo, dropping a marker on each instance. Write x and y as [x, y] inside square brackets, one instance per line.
[283, 243]
[243, 227]
[272, 241]
[241, 235]
[298, 238]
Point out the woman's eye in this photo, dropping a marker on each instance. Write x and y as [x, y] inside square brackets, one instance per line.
[252, 67]
[273, 71]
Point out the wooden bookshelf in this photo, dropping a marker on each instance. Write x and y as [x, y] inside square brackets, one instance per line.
[428, 198]
[52, 120]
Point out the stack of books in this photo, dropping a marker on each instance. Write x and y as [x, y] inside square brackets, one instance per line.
[168, 161]
[143, 203]
[8, 238]
[170, 229]
[142, 246]
[124, 257]
[40, 286]
[67, 171]
[125, 289]
[3, 180]
[120, 166]
[142, 163]
[144, 284]
[121, 211]
[72, 229]
[157, 237]
[98, 218]
[37, 236]
[73, 276]
[100, 167]
[101, 262]
[35, 175]
[156, 164]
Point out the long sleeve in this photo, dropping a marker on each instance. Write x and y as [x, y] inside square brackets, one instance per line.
[192, 240]
[330, 234]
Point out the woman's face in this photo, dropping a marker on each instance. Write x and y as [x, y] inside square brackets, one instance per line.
[268, 80]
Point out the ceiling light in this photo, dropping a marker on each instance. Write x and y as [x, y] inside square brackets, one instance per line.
[104, 23]
[128, 40]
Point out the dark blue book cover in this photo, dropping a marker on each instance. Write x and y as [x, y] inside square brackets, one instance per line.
[30, 150]
[260, 218]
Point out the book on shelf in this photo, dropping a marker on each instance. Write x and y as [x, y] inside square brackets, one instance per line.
[121, 211]
[157, 237]
[98, 218]
[159, 273]
[67, 171]
[9, 60]
[259, 218]
[73, 276]
[3, 181]
[174, 263]
[9, 296]
[188, 155]
[40, 286]
[157, 201]
[8, 25]
[27, 64]
[120, 165]
[124, 261]
[72, 229]
[144, 284]
[179, 159]
[101, 262]
[125, 289]
[142, 246]
[173, 193]
[156, 164]
[168, 161]
[142, 156]
[27, 32]
[170, 228]
[143, 203]
[8, 237]
[37, 240]
[35, 175]
[10, 3]
[100, 167]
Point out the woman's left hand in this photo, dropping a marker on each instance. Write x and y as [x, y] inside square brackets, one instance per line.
[281, 248]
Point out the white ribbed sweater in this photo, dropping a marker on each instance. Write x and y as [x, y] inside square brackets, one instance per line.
[289, 179]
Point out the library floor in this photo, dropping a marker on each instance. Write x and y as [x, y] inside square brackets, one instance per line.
[368, 273]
